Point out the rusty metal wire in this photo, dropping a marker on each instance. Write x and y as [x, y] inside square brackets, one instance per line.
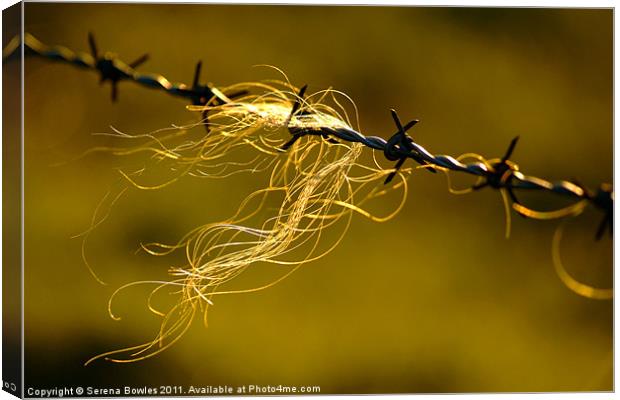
[502, 174]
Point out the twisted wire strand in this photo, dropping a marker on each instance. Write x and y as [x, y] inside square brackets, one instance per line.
[500, 174]
[113, 69]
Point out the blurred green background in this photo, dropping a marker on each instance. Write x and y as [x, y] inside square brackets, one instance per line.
[436, 300]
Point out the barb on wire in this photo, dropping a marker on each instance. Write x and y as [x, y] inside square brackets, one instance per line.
[298, 132]
[109, 70]
[401, 139]
[500, 174]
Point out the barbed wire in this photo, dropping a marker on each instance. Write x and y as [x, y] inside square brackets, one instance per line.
[500, 174]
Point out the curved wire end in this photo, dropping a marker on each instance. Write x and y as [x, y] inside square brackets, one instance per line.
[577, 287]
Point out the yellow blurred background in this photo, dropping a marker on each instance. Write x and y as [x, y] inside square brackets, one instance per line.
[435, 300]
